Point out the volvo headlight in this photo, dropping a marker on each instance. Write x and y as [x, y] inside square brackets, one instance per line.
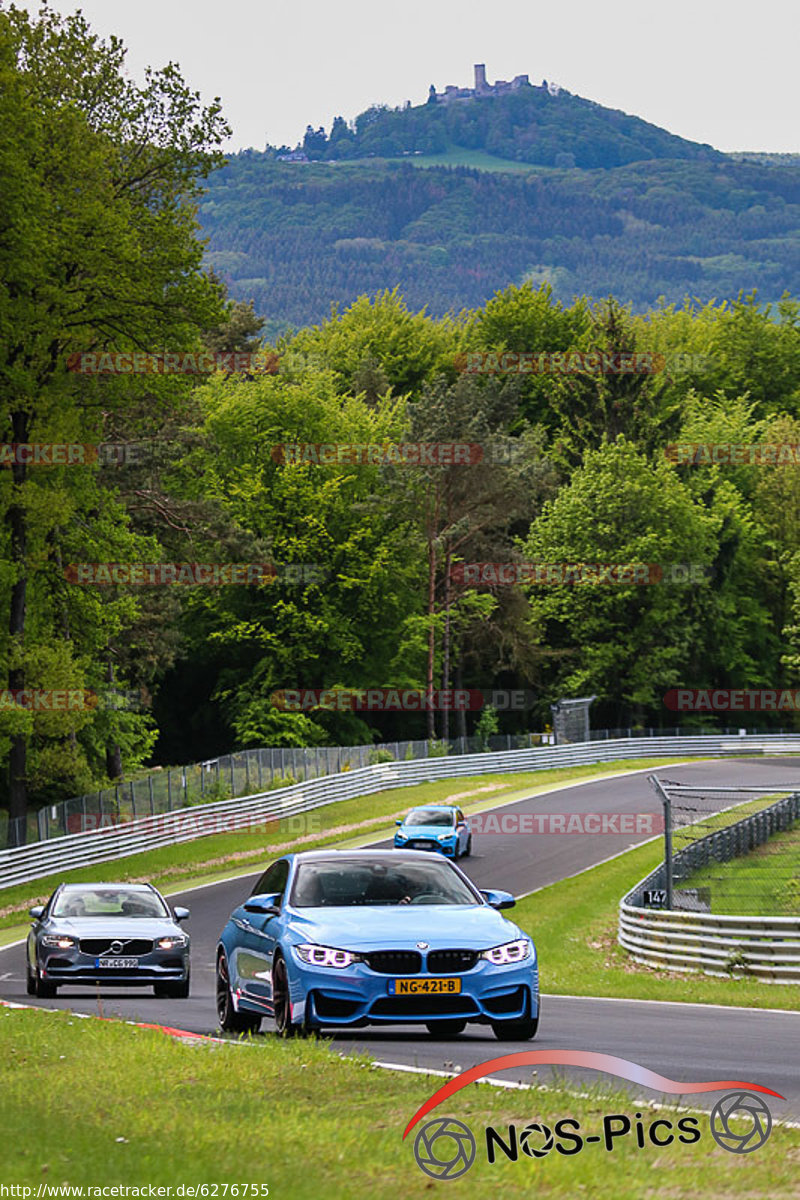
[172, 942]
[60, 941]
[326, 956]
[509, 952]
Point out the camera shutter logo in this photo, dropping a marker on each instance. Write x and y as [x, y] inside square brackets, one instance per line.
[740, 1105]
[444, 1148]
[529, 1137]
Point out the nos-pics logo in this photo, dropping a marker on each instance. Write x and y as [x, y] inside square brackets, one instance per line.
[445, 1148]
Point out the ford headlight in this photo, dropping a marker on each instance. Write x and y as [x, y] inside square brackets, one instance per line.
[444, 837]
[509, 952]
[326, 956]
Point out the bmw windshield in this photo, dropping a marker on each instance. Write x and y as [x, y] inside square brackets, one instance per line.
[350, 881]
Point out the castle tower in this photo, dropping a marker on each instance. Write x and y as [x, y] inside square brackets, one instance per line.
[480, 79]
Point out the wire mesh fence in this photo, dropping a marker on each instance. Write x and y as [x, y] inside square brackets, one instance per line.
[243, 773]
[258, 770]
[734, 850]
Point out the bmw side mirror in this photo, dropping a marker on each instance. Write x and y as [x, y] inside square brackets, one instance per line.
[180, 914]
[498, 899]
[267, 905]
[36, 911]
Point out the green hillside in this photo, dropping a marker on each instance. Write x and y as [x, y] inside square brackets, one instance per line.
[298, 237]
[529, 125]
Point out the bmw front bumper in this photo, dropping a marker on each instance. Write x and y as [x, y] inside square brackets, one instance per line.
[357, 995]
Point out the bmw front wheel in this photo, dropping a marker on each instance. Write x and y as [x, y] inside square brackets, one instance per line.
[281, 1002]
[445, 1028]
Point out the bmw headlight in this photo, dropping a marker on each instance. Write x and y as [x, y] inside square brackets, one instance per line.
[326, 956]
[509, 952]
[172, 942]
[59, 940]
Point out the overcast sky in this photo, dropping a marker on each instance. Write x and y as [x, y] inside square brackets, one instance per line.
[718, 71]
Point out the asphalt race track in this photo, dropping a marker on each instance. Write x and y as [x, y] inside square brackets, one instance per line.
[686, 1042]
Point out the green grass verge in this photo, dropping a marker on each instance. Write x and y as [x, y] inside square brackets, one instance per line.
[765, 882]
[220, 856]
[93, 1104]
[574, 925]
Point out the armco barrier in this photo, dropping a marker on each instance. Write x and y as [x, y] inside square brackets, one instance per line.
[36, 860]
[759, 947]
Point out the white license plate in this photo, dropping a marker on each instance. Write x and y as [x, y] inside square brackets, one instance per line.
[127, 964]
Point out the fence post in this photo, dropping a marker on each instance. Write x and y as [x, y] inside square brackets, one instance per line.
[152, 801]
[169, 791]
[665, 800]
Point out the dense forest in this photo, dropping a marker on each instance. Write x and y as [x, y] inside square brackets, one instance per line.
[296, 238]
[366, 585]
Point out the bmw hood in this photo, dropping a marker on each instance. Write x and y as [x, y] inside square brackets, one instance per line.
[401, 926]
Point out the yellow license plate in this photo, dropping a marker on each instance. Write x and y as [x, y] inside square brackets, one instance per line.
[424, 987]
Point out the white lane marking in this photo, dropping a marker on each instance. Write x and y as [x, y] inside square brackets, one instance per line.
[675, 1003]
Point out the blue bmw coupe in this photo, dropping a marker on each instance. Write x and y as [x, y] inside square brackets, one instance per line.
[343, 938]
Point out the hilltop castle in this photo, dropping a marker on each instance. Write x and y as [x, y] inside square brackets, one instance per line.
[499, 88]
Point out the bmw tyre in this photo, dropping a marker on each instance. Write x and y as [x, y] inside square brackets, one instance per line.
[517, 1031]
[282, 1005]
[229, 1019]
[445, 1028]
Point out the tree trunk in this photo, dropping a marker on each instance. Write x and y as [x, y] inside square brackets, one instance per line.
[18, 757]
[113, 752]
[432, 525]
[461, 715]
[446, 646]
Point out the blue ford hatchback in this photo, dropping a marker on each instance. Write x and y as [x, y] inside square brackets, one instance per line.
[441, 827]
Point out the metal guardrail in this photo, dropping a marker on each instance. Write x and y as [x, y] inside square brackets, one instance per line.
[165, 789]
[40, 859]
[760, 947]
